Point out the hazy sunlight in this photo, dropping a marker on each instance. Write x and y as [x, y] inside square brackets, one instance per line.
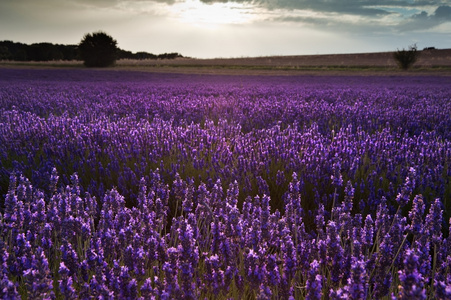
[197, 13]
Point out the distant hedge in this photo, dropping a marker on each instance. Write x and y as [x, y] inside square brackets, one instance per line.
[15, 51]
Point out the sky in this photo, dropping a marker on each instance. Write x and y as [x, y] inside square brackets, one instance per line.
[234, 28]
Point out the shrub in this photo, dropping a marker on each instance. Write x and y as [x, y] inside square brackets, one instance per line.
[98, 50]
[406, 58]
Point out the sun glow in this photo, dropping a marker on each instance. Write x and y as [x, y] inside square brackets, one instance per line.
[197, 13]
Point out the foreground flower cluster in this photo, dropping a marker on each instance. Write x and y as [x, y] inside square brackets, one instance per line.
[129, 185]
[67, 246]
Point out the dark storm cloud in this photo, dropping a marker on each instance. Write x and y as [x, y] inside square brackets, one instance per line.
[443, 13]
[424, 21]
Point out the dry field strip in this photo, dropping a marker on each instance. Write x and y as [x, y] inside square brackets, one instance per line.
[430, 62]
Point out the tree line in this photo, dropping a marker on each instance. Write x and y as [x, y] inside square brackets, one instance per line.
[15, 51]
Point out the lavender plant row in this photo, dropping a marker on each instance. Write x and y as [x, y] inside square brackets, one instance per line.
[414, 104]
[62, 247]
[128, 185]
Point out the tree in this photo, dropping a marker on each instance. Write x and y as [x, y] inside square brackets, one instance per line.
[37, 51]
[406, 58]
[43, 52]
[98, 50]
[4, 53]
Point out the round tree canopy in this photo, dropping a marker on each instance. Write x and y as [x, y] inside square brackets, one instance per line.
[98, 50]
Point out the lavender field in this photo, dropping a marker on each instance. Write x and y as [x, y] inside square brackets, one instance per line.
[133, 185]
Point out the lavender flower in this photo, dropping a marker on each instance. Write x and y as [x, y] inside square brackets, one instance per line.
[188, 259]
[319, 222]
[84, 220]
[253, 269]
[433, 222]
[38, 278]
[70, 258]
[214, 276]
[265, 293]
[272, 273]
[314, 282]
[383, 219]
[66, 283]
[403, 197]
[10, 215]
[357, 284]
[8, 289]
[53, 181]
[368, 232]
[337, 179]
[170, 268]
[265, 218]
[280, 178]
[416, 215]
[442, 289]
[263, 188]
[412, 283]
[38, 214]
[335, 253]
[20, 259]
[289, 257]
[381, 278]
[99, 289]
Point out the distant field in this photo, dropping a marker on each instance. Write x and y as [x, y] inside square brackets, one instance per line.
[428, 58]
[437, 62]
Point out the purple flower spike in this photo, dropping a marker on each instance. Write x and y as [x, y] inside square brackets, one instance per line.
[99, 290]
[412, 283]
[188, 259]
[12, 208]
[8, 290]
[272, 271]
[433, 222]
[253, 269]
[38, 277]
[214, 276]
[416, 215]
[406, 191]
[265, 293]
[357, 284]
[147, 291]
[337, 178]
[319, 221]
[70, 258]
[442, 290]
[66, 283]
[170, 268]
[368, 232]
[53, 181]
[335, 253]
[382, 278]
[314, 283]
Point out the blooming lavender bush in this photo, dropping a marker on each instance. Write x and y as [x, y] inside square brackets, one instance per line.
[129, 185]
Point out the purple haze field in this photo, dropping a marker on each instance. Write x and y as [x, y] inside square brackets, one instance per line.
[121, 184]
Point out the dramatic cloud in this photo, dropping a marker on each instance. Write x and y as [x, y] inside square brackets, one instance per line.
[360, 7]
[110, 3]
[225, 28]
[424, 21]
[371, 8]
[443, 13]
